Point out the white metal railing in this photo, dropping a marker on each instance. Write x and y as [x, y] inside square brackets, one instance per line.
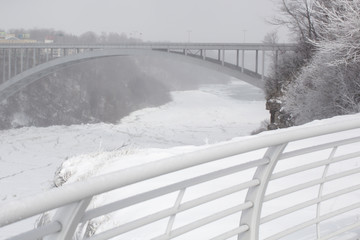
[252, 176]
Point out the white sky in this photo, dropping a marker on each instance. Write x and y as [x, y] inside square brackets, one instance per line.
[156, 20]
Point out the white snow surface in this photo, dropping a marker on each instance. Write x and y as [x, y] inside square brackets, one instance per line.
[29, 157]
[193, 120]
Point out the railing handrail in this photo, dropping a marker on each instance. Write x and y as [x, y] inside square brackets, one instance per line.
[54, 198]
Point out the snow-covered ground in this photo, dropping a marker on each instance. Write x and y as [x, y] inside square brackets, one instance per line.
[193, 120]
[29, 157]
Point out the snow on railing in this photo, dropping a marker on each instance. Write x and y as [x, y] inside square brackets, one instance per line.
[298, 183]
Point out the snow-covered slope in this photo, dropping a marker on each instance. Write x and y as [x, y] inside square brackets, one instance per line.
[30, 156]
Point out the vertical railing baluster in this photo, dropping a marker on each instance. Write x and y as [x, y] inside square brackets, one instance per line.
[251, 217]
[69, 217]
[176, 206]
[320, 193]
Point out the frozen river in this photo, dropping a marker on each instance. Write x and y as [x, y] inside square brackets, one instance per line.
[29, 157]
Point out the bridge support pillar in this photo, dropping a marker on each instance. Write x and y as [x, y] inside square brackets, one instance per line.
[9, 59]
[219, 55]
[242, 60]
[237, 58]
[34, 57]
[263, 65]
[15, 61]
[3, 64]
[276, 59]
[47, 55]
[257, 61]
[203, 54]
[223, 57]
[27, 59]
[21, 60]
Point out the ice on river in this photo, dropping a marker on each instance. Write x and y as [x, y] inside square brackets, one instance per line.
[30, 156]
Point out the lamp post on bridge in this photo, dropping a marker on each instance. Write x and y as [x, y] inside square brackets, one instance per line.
[244, 35]
[189, 33]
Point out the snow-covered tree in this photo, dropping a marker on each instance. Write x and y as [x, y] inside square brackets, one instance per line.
[299, 17]
[330, 83]
[341, 32]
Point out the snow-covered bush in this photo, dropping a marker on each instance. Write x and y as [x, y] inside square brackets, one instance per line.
[322, 91]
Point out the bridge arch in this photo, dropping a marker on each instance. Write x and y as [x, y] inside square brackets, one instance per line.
[21, 80]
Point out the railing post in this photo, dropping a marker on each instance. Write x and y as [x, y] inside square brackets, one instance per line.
[69, 217]
[251, 217]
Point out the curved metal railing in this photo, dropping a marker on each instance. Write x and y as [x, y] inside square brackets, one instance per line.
[298, 183]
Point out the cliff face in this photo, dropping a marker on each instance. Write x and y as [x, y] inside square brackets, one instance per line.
[103, 90]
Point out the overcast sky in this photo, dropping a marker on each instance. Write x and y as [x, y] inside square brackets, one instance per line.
[152, 20]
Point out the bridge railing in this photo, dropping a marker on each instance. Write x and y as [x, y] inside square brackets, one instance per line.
[299, 183]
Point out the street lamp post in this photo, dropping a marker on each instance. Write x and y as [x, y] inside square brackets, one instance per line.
[189, 32]
[244, 35]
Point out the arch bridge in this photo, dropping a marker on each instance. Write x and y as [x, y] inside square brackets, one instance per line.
[22, 64]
